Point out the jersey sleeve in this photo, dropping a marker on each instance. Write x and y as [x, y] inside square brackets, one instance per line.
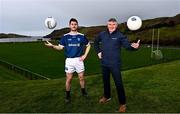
[62, 41]
[85, 41]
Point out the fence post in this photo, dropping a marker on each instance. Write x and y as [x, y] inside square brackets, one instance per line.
[24, 72]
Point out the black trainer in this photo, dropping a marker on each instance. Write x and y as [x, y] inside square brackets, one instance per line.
[67, 99]
[85, 94]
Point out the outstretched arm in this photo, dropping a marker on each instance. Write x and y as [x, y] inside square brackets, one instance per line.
[83, 57]
[56, 47]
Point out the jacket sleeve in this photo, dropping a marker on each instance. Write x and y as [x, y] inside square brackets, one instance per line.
[126, 44]
[97, 44]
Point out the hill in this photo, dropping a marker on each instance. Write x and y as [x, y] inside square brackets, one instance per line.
[11, 35]
[169, 27]
[149, 89]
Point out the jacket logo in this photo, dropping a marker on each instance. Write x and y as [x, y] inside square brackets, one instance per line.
[114, 38]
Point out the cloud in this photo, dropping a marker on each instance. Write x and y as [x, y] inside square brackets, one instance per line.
[29, 15]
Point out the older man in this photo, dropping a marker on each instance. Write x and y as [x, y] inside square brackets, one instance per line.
[108, 45]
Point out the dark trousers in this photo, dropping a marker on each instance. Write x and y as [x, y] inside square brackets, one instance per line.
[116, 74]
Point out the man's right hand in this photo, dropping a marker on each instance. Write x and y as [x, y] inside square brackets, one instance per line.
[100, 55]
[48, 44]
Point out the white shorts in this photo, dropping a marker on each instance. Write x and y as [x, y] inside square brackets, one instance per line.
[74, 64]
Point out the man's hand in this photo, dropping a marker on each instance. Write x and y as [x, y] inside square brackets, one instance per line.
[56, 47]
[48, 44]
[83, 57]
[135, 45]
[100, 55]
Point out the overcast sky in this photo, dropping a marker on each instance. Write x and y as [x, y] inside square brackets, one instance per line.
[27, 16]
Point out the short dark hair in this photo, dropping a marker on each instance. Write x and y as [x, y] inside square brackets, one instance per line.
[73, 20]
[112, 20]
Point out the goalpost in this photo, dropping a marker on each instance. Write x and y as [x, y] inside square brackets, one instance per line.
[157, 53]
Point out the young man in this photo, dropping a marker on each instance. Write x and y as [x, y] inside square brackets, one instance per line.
[109, 54]
[74, 44]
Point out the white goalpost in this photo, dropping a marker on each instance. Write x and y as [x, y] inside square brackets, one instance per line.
[157, 53]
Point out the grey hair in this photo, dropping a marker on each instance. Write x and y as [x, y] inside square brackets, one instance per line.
[112, 20]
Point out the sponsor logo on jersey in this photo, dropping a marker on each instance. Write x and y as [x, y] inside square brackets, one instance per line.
[74, 45]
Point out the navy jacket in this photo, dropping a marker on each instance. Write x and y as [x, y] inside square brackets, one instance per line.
[110, 46]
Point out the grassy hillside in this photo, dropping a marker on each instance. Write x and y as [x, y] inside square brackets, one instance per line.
[168, 35]
[169, 27]
[11, 35]
[148, 89]
[50, 63]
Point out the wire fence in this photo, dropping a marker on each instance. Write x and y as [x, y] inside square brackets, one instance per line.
[24, 72]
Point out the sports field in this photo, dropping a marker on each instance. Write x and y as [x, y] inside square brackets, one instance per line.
[148, 89]
[151, 85]
[50, 63]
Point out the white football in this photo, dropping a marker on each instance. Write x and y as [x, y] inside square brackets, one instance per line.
[50, 23]
[134, 23]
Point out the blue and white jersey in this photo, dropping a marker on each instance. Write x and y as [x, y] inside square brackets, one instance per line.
[73, 44]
